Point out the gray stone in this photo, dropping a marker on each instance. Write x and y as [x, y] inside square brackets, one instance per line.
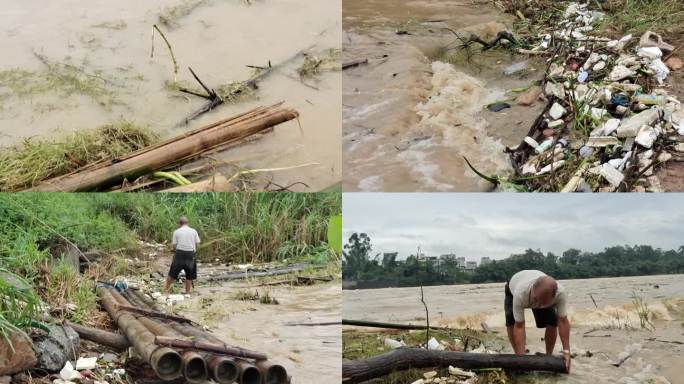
[56, 348]
[630, 127]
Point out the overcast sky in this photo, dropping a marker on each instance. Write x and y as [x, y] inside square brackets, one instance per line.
[498, 224]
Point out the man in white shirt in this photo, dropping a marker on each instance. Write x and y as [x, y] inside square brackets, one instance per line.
[548, 301]
[185, 241]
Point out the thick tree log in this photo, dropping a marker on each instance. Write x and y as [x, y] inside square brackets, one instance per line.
[208, 347]
[357, 371]
[171, 152]
[375, 324]
[100, 336]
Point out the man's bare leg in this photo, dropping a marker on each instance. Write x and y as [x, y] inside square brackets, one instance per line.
[550, 339]
[188, 286]
[169, 280]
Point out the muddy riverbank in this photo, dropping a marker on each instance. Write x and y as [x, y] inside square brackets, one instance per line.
[102, 51]
[414, 111]
[606, 329]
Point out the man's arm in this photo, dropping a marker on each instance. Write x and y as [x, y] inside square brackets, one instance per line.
[519, 338]
[564, 332]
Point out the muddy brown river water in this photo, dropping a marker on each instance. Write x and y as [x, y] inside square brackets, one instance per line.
[408, 117]
[111, 41]
[311, 354]
[658, 353]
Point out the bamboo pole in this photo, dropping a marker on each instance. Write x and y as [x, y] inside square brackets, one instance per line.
[164, 361]
[169, 153]
[208, 347]
[99, 336]
[375, 324]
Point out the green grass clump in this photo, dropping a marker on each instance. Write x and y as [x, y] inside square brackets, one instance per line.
[33, 161]
[18, 303]
[71, 295]
[236, 227]
[639, 16]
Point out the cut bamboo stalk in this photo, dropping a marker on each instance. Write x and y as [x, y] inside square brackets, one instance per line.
[99, 336]
[165, 362]
[171, 152]
[249, 374]
[208, 347]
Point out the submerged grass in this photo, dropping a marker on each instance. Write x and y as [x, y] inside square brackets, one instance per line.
[62, 78]
[170, 16]
[329, 60]
[27, 164]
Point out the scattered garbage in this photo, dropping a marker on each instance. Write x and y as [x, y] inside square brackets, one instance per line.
[394, 344]
[456, 375]
[606, 108]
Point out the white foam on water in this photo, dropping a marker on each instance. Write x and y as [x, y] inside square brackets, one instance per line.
[371, 184]
[452, 114]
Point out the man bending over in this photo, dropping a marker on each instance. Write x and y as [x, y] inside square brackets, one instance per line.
[548, 301]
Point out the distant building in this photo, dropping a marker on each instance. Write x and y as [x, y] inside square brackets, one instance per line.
[447, 257]
[461, 262]
[485, 260]
[470, 265]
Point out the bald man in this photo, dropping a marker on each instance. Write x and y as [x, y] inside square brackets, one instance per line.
[548, 301]
[185, 241]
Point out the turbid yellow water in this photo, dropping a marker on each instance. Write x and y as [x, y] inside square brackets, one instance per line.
[109, 43]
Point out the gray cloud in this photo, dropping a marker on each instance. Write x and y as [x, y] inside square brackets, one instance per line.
[495, 225]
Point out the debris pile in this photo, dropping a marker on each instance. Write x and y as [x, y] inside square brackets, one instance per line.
[609, 121]
[456, 376]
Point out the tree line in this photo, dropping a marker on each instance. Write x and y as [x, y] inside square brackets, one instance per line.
[384, 270]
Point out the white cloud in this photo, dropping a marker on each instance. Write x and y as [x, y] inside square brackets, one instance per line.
[496, 225]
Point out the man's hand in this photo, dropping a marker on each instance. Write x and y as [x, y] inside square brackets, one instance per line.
[567, 359]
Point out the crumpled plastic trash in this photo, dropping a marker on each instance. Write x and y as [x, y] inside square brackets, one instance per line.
[68, 373]
[394, 344]
[434, 345]
[86, 363]
[661, 70]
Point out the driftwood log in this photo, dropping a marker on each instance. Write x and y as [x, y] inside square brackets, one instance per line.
[357, 371]
[110, 339]
[169, 153]
[375, 324]
[250, 274]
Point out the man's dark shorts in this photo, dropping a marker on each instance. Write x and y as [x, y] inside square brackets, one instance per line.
[544, 317]
[184, 260]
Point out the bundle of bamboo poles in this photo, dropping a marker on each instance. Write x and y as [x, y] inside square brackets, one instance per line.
[175, 348]
[171, 152]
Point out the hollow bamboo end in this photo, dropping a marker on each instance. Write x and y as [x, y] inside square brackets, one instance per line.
[223, 370]
[167, 363]
[194, 367]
